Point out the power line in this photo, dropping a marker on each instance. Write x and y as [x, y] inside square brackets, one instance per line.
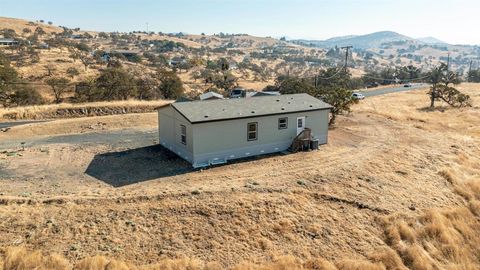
[448, 62]
[331, 77]
[346, 56]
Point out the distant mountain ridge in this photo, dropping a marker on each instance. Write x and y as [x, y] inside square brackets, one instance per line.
[373, 40]
[431, 40]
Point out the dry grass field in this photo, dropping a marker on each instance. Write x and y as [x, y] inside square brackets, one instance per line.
[69, 110]
[19, 24]
[397, 187]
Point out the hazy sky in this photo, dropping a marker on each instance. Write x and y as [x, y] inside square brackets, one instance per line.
[452, 21]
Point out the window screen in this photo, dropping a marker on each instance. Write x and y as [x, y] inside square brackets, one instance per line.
[282, 123]
[183, 134]
[252, 130]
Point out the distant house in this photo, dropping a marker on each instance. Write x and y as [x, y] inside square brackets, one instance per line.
[211, 132]
[76, 36]
[211, 95]
[8, 42]
[175, 61]
[129, 54]
[232, 65]
[43, 45]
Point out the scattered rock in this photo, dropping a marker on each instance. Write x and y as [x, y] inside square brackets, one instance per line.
[301, 182]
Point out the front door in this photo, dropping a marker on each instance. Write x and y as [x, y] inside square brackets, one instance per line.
[300, 124]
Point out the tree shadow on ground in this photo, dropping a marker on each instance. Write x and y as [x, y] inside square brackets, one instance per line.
[136, 165]
[434, 109]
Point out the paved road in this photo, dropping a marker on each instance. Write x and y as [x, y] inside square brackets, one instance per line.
[392, 90]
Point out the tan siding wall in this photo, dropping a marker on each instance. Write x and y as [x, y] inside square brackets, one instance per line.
[231, 134]
[169, 131]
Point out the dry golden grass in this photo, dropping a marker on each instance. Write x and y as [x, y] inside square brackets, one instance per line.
[359, 265]
[51, 111]
[388, 257]
[438, 239]
[18, 25]
[18, 258]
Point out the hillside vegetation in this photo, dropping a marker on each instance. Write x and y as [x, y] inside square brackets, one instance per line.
[73, 65]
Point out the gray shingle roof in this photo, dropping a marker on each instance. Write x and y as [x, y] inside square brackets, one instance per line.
[216, 110]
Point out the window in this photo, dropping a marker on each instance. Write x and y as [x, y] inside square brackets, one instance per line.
[252, 130]
[299, 122]
[282, 123]
[183, 134]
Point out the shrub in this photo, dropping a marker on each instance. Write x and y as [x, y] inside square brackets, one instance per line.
[24, 96]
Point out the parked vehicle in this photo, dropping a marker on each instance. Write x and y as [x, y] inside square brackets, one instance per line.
[408, 85]
[238, 93]
[372, 85]
[358, 96]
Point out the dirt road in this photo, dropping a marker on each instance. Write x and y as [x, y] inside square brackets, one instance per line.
[124, 137]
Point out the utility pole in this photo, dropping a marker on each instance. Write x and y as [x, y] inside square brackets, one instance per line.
[347, 48]
[147, 27]
[448, 62]
[469, 70]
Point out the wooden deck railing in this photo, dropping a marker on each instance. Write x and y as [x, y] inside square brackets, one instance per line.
[300, 142]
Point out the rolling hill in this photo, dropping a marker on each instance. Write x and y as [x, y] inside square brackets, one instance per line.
[373, 40]
[369, 41]
[431, 40]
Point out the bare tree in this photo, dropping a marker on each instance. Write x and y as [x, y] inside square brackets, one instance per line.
[59, 86]
[50, 69]
[441, 78]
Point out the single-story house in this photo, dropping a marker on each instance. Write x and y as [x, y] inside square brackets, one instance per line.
[175, 61]
[8, 42]
[129, 54]
[212, 132]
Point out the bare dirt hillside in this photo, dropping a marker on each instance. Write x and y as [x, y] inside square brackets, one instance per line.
[397, 187]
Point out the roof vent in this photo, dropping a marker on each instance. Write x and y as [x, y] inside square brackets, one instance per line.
[283, 109]
[206, 116]
[252, 111]
[288, 102]
[278, 100]
[311, 106]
